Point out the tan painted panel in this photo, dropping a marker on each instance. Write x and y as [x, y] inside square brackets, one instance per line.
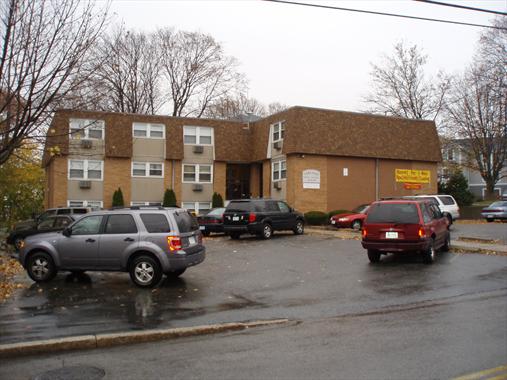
[188, 195]
[94, 193]
[147, 189]
[96, 152]
[148, 149]
[205, 157]
[279, 194]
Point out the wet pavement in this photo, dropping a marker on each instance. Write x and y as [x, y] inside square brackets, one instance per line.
[296, 277]
[493, 231]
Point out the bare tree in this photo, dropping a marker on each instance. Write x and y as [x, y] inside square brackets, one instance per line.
[197, 71]
[477, 108]
[235, 107]
[401, 89]
[44, 43]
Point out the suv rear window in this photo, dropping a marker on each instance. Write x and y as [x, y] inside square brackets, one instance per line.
[403, 213]
[155, 223]
[80, 211]
[446, 200]
[239, 206]
[185, 221]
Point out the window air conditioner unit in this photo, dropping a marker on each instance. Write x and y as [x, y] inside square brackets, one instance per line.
[278, 145]
[198, 149]
[87, 144]
[85, 184]
[278, 186]
[197, 187]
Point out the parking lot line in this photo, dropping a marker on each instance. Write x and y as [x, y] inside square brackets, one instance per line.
[484, 373]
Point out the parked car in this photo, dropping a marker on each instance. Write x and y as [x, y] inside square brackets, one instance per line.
[496, 210]
[261, 217]
[32, 223]
[400, 226]
[446, 203]
[147, 242]
[212, 221]
[49, 224]
[352, 219]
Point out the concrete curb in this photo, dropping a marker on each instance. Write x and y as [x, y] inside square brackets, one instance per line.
[129, 337]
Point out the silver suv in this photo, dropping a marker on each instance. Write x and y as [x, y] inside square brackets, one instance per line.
[147, 242]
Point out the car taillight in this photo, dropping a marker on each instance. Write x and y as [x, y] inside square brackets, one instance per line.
[251, 217]
[364, 233]
[174, 243]
[421, 233]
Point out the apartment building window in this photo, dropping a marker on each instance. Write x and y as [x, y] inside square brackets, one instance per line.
[86, 129]
[197, 173]
[86, 169]
[92, 204]
[279, 170]
[150, 131]
[147, 169]
[145, 203]
[197, 208]
[278, 131]
[198, 135]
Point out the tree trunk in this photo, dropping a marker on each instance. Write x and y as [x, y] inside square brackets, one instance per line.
[490, 191]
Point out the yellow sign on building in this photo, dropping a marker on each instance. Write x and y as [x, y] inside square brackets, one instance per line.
[412, 176]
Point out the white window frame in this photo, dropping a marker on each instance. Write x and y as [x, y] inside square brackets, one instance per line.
[278, 127]
[196, 205]
[149, 127]
[84, 203]
[146, 169]
[197, 173]
[85, 170]
[145, 203]
[86, 130]
[279, 170]
[198, 135]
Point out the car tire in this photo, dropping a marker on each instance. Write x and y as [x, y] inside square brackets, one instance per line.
[447, 243]
[299, 228]
[429, 254]
[145, 271]
[41, 267]
[175, 274]
[373, 255]
[490, 220]
[234, 235]
[267, 231]
[356, 225]
[18, 243]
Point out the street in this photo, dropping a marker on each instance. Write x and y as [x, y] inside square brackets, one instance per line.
[398, 319]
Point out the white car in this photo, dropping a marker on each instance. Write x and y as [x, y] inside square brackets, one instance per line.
[446, 203]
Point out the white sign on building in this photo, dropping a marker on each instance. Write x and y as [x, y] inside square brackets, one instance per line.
[311, 179]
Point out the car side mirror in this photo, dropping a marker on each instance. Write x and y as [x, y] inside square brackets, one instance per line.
[67, 232]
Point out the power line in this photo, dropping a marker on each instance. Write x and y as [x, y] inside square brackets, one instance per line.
[462, 7]
[385, 14]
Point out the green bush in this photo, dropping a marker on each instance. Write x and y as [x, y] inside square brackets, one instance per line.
[118, 198]
[217, 201]
[169, 198]
[457, 186]
[316, 218]
[336, 212]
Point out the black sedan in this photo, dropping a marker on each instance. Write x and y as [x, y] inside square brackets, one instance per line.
[212, 221]
[50, 224]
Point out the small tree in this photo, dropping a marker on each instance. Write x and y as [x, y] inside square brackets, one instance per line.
[118, 198]
[169, 198]
[457, 186]
[217, 200]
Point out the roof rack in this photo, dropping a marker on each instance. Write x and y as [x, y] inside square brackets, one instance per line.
[137, 208]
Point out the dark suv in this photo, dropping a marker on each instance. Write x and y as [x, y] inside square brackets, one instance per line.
[261, 217]
[146, 242]
[405, 226]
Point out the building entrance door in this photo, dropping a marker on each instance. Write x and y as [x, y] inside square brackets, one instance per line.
[237, 181]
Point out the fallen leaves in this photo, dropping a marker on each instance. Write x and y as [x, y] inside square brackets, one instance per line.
[8, 269]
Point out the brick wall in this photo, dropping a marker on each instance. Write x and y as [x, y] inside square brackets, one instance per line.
[219, 175]
[56, 183]
[117, 174]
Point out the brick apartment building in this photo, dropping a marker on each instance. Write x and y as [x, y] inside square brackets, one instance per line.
[314, 159]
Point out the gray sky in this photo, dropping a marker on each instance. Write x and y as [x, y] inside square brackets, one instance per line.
[316, 57]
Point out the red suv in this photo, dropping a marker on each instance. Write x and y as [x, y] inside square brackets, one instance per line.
[405, 226]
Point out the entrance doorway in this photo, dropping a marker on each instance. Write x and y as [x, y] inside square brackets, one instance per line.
[237, 181]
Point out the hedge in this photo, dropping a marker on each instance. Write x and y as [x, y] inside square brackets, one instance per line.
[316, 217]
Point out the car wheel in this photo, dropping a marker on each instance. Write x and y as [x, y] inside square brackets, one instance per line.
[429, 254]
[175, 274]
[41, 267]
[145, 272]
[18, 243]
[77, 272]
[299, 228]
[447, 244]
[235, 235]
[489, 220]
[356, 225]
[373, 255]
[206, 233]
[267, 231]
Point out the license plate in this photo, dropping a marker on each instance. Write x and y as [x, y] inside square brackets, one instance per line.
[202, 228]
[489, 216]
[191, 240]
[391, 235]
[235, 218]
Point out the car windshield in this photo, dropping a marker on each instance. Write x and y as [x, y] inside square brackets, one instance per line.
[361, 209]
[239, 206]
[402, 213]
[498, 204]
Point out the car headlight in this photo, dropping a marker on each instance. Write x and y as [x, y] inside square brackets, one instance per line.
[343, 220]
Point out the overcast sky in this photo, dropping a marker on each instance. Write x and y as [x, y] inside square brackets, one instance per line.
[316, 57]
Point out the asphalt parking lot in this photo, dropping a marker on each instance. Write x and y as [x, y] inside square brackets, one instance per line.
[295, 277]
